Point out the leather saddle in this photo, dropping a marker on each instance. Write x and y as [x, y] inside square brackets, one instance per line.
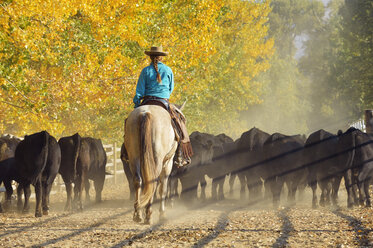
[152, 100]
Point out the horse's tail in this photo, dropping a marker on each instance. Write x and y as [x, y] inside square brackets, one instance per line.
[147, 162]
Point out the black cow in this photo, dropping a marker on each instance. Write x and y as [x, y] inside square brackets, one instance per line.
[37, 160]
[191, 175]
[320, 157]
[356, 160]
[220, 167]
[251, 162]
[82, 159]
[8, 146]
[7, 175]
[283, 155]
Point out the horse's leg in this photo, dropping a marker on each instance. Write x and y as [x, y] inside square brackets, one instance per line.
[137, 185]
[163, 188]
[148, 211]
[162, 193]
[173, 190]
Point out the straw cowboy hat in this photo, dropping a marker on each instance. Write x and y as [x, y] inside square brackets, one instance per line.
[156, 51]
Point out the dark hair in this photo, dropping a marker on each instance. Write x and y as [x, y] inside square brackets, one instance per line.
[155, 60]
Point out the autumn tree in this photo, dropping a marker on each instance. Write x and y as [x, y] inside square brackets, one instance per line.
[72, 66]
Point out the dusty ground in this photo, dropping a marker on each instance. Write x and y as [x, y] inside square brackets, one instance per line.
[228, 223]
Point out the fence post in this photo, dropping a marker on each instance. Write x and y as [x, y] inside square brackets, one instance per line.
[115, 162]
[369, 121]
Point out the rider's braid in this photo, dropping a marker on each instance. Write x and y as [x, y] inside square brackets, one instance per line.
[155, 60]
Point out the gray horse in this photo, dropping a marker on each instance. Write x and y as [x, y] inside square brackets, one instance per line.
[151, 145]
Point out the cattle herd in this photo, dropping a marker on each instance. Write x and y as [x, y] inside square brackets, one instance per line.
[262, 162]
[38, 158]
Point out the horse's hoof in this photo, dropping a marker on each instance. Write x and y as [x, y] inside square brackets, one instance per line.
[38, 214]
[148, 221]
[45, 212]
[137, 218]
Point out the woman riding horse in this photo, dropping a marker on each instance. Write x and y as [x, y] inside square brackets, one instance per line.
[156, 83]
[150, 138]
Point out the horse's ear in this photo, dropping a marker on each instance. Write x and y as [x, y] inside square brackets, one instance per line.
[183, 105]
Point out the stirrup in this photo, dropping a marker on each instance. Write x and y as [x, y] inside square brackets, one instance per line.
[183, 162]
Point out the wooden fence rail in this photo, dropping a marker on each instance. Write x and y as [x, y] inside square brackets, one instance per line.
[113, 165]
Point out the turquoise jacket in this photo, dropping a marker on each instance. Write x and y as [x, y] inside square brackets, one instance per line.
[147, 85]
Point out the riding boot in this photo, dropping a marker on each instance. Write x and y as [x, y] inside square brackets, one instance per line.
[180, 160]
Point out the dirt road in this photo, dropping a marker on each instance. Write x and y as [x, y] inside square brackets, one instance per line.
[228, 223]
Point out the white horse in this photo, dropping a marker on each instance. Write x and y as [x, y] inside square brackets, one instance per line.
[151, 145]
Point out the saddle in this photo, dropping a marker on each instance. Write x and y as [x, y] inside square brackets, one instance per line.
[178, 122]
[153, 100]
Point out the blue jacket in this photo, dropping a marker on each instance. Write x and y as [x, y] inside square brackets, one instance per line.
[147, 85]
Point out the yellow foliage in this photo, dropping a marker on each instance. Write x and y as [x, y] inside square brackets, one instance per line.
[72, 65]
